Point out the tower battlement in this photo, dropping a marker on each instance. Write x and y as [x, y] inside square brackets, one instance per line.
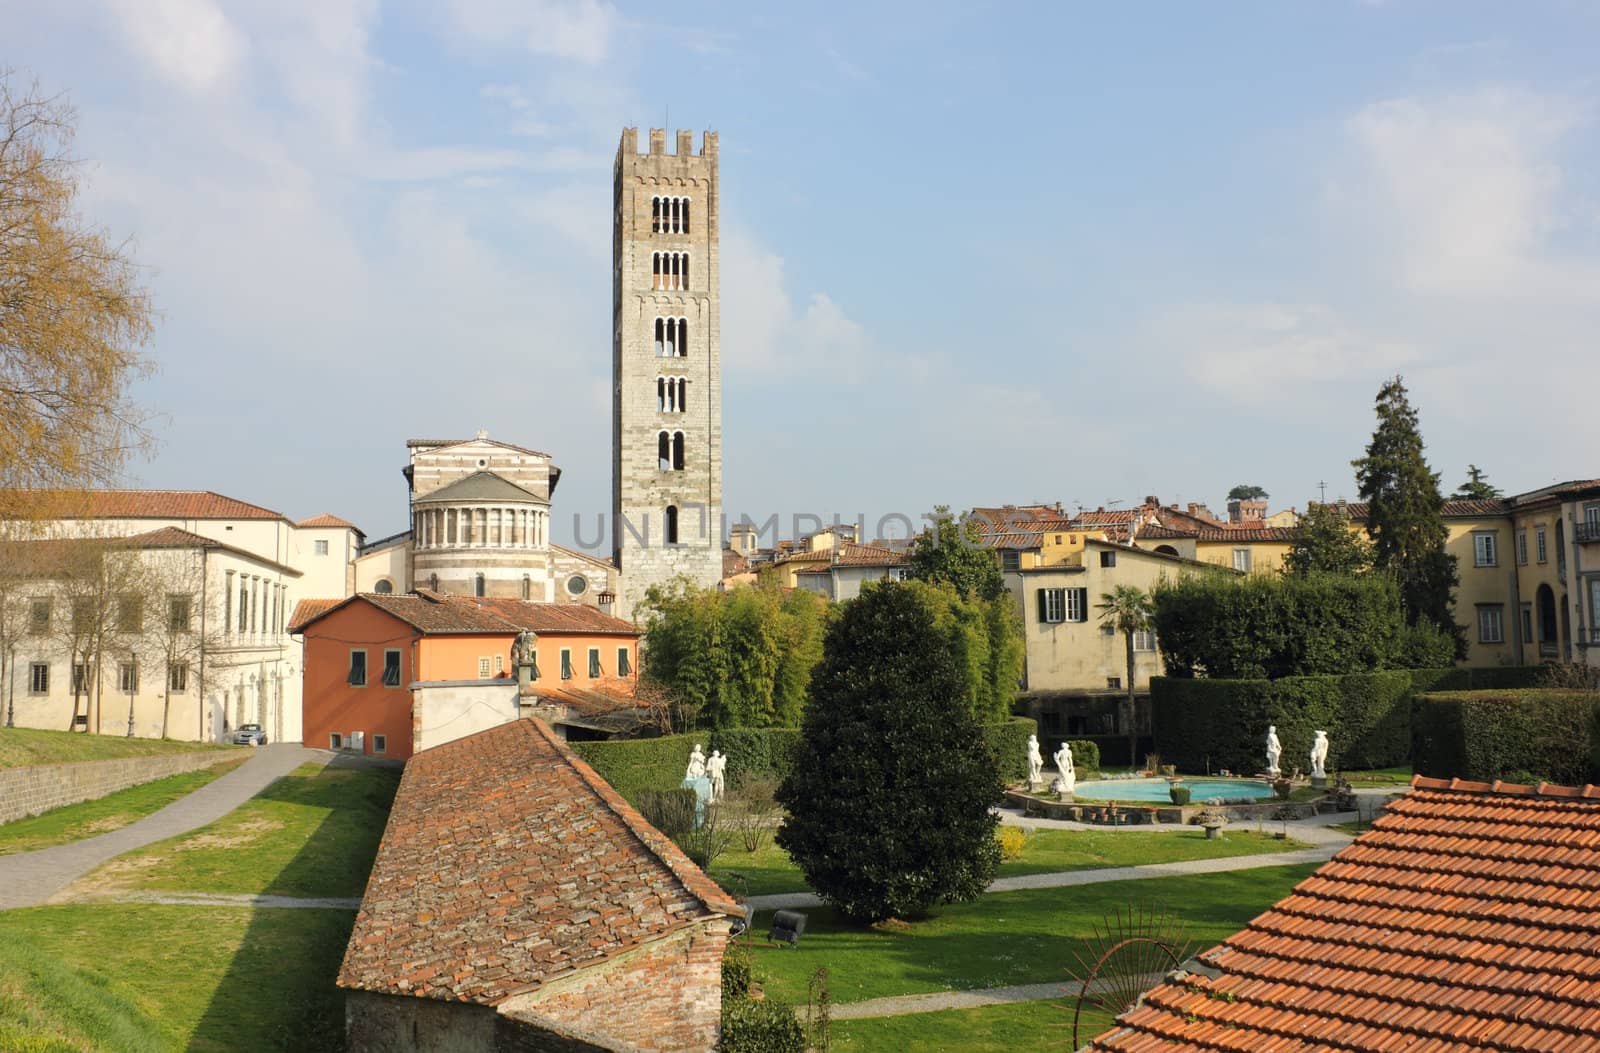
[656, 145]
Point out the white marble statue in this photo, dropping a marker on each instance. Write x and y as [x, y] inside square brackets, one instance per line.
[715, 767]
[697, 764]
[1035, 762]
[1067, 782]
[1319, 756]
[1274, 751]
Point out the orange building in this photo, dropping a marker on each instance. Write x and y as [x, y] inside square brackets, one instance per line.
[388, 675]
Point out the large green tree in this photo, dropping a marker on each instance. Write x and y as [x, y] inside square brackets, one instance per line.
[891, 795]
[952, 551]
[1405, 513]
[1476, 486]
[1127, 609]
[1247, 492]
[1325, 544]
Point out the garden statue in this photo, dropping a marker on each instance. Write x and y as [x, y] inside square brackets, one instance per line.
[1319, 756]
[1274, 750]
[1067, 782]
[697, 764]
[1035, 763]
[714, 770]
[524, 650]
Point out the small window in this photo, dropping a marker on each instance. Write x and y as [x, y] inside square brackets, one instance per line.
[1108, 559]
[82, 615]
[1144, 640]
[566, 664]
[594, 663]
[391, 668]
[1241, 559]
[527, 587]
[483, 667]
[1490, 629]
[39, 617]
[671, 525]
[499, 664]
[39, 678]
[1538, 545]
[433, 582]
[130, 613]
[178, 677]
[320, 547]
[380, 744]
[128, 677]
[478, 585]
[80, 678]
[1077, 605]
[383, 587]
[335, 741]
[1484, 552]
[1052, 605]
[1522, 547]
[577, 585]
[1010, 559]
[358, 669]
[1527, 623]
[623, 666]
[179, 613]
[1113, 681]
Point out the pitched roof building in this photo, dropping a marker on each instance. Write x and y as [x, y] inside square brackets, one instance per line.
[1468, 918]
[517, 895]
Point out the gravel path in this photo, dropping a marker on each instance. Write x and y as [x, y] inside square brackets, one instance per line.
[934, 1001]
[215, 899]
[28, 879]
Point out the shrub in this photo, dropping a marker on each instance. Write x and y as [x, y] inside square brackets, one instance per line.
[737, 968]
[1179, 794]
[1085, 758]
[891, 794]
[670, 811]
[715, 834]
[1011, 840]
[767, 1026]
[1423, 646]
[754, 805]
[1008, 741]
[1550, 734]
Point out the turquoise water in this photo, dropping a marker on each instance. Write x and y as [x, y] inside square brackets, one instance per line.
[1155, 790]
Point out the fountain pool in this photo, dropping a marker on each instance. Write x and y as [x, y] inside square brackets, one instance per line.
[1154, 791]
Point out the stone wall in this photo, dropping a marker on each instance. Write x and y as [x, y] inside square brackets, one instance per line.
[665, 995]
[30, 791]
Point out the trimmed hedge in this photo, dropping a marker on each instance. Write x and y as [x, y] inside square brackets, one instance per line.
[1539, 734]
[635, 766]
[1481, 678]
[1204, 725]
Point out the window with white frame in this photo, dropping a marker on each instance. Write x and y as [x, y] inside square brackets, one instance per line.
[39, 617]
[1052, 605]
[380, 744]
[1522, 547]
[39, 678]
[1539, 551]
[179, 613]
[1241, 559]
[624, 665]
[358, 669]
[669, 215]
[1144, 640]
[128, 677]
[335, 741]
[669, 271]
[672, 394]
[1484, 549]
[672, 338]
[391, 668]
[1010, 559]
[594, 663]
[1490, 627]
[1077, 605]
[566, 664]
[483, 667]
[178, 677]
[320, 547]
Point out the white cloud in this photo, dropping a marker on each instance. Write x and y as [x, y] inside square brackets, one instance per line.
[580, 30]
[762, 330]
[190, 42]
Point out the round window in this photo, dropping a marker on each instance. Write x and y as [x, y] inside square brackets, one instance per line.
[577, 585]
[383, 586]
[482, 463]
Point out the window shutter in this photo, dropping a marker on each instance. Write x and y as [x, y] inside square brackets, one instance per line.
[1043, 615]
[1083, 604]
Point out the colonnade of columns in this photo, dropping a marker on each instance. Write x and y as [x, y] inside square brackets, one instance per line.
[479, 526]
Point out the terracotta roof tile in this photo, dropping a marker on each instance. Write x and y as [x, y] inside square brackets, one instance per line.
[436, 613]
[507, 862]
[1467, 918]
[1473, 509]
[144, 504]
[849, 555]
[309, 610]
[1017, 540]
[1252, 533]
[328, 520]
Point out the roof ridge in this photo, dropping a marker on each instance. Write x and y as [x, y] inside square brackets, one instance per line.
[691, 877]
[1547, 790]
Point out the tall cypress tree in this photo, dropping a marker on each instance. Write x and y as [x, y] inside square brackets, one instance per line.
[1405, 514]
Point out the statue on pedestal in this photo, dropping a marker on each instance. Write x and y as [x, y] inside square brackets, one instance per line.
[1067, 781]
[1319, 756]
[1274, 751]
[715, 767]
[697, 764]
[1035, 762]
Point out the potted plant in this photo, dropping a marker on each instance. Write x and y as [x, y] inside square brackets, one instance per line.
[1179, 793]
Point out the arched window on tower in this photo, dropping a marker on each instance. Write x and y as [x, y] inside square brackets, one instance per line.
[677, 451]
[433, 582]
[682, 342]
[685, 218]
[527, 587]
[661, 337]
[655, 270]
[664, 452]
[670, 527]
[478, 585]
[655, 215]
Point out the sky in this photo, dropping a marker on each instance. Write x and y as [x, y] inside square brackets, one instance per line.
[972, 254]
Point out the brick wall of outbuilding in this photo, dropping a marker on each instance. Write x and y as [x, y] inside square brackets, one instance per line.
[30, 791]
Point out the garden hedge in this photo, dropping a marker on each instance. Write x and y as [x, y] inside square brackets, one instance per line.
[635, 765]
[1482, 678]
[1519, 735]
[1206, 725]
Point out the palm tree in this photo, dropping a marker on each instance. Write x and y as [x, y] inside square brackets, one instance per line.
[1127, 608]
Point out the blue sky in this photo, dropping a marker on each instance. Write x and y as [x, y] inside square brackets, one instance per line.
[971, 254]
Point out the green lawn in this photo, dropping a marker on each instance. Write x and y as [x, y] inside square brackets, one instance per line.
[112, 812]
[771, 871]
[132, 978]
[1004, 937]
[1399, 778]
[312, 833]
[992, 1029]
[26, 747]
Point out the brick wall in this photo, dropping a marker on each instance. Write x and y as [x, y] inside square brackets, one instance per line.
[29, 791]
[664, 996]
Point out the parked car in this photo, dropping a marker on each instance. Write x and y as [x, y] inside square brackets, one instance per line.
[250, 735]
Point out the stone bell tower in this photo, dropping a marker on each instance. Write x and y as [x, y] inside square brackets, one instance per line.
[666, 474]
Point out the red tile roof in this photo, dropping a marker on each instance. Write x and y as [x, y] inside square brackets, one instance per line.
[1021, 540]
[1468, 918]
[849, 555]
[1251, 533]
[1476, 508]
[507, 863]
[596, 560]
[553, 617]
[430, 443]
[51, 556]
[435, 613]
[309, 610]
[143, 504]
[329, 520]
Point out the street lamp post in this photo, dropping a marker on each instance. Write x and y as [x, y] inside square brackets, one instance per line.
[11, 675]
[133, 684]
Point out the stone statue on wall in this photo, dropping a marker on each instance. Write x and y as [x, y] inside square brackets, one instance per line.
[1067, 781]
[1035, 762]
[715, 769]
[1319, 756]
[525, 650]
[1274, 751]
[697, 764]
